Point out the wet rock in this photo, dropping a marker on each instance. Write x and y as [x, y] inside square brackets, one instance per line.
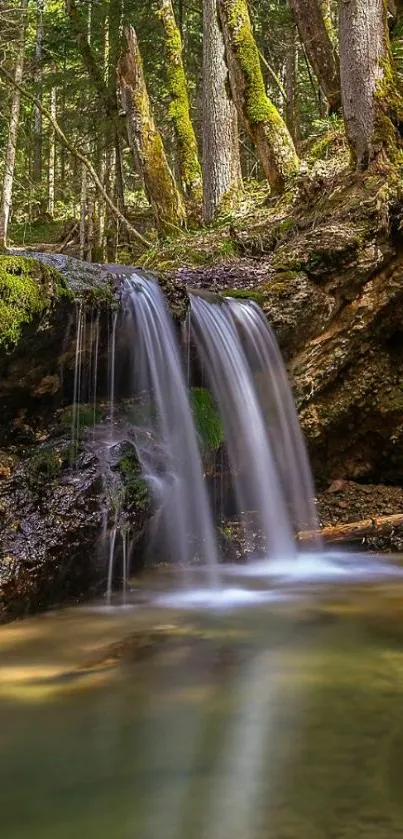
[50, 522]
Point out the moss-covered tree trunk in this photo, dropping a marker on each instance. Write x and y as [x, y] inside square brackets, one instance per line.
[221, 163]
[372, 106]
[179, 111]
[145, 139]
[316, 39]
[262, 120]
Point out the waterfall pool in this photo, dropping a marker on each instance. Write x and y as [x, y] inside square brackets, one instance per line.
[284, 720]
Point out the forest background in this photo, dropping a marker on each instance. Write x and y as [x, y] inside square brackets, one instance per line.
[123, 123]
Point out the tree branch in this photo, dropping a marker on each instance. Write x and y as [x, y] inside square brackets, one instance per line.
[76, 153]
[274, 76]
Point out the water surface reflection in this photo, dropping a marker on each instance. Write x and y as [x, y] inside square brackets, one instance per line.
[281, 721]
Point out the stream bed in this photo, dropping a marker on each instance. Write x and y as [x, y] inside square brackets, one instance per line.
[284, 720]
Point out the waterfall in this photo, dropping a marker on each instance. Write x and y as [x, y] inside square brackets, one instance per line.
[280, 414]
[167, 443]
[251, 451]
[263, 443]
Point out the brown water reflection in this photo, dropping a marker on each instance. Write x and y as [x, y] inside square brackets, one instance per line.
[283, 722]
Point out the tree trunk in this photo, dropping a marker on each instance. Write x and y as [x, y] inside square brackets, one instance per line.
[355, 531]
[83, 210]
[291, 84]
[145, 139]
[52, 154]
[78, 157]
[314, 35]
[106, 95]
[13, 127]
[37, 161]
[326, 9]
[179, 110]
[371, 104]
[221, 164]
[262, 120]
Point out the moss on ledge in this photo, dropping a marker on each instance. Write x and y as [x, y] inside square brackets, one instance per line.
[27, 290]
[245, 294]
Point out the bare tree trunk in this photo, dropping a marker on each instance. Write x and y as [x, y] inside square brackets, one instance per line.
[291, 84]
[83, 210]
[221, 163]
[320, 51]
[372, 105]
[265, 125]
[52, 154]
[145, 139]
[90, 229]
[11, 148]
[37, 161]
[179, 110]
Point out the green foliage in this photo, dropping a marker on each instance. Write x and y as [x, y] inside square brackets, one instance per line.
[38, 231]
[27, 288]
[45, 464]
[207, 419]
[136, 488]
[84, 415]
[244, 294]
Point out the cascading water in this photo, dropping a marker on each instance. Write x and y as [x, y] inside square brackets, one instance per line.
[251, 452]
[167, 443]
[263, 440]
[279, 411]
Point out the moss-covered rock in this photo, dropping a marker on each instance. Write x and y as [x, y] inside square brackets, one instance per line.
[135, 487]
[27, 290]
[207, 419]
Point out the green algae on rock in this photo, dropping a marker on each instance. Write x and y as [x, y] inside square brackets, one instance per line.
[28, 289]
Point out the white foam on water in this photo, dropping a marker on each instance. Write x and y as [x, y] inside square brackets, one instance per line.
[225, 598]
[317, 568]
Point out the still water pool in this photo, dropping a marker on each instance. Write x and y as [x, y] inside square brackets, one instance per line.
[281, 721]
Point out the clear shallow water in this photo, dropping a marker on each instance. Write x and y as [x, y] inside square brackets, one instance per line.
[284, 720]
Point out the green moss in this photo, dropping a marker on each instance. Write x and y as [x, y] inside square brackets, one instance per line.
[260, 112]
[179, 109]
[85, 417]
[330, 143]
[159, 182]
[136, 488]
[207, 419]
[27, 290]
[389, 113]
[244, 294]
[45, 464]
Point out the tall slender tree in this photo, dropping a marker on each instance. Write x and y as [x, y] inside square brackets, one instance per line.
[37, 158]
[291, 83]
[314, 34]
[221, 162]
[261, 118]
[52, 152]
[11, 147]
[372, 105]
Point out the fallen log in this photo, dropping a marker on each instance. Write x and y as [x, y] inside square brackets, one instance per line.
[354, 531]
